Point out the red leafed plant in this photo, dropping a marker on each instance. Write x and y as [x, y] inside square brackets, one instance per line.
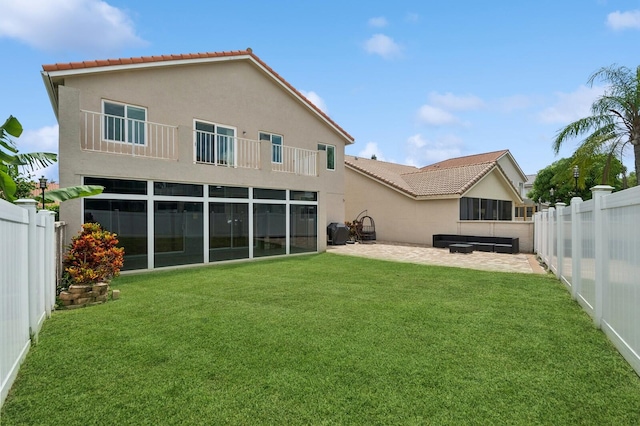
[93, 256]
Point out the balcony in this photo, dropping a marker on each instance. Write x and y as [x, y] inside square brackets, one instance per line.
[118, 135]
[226, 151]
[294, 160]
[127, 136]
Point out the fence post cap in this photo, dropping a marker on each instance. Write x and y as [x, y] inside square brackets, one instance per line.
[27, 202]
[602, 188]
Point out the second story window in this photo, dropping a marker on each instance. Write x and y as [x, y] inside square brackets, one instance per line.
[276, 146]
[124, 123]
[331, 155]
[214, 144]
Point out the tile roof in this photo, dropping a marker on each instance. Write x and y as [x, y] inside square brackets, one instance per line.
[425, 182]
[469, 160]
[105, 63]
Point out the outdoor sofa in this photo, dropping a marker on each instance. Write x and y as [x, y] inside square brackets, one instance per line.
[487, 244]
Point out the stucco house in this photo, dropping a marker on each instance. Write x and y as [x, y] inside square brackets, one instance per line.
[472, 195]
[204, 157]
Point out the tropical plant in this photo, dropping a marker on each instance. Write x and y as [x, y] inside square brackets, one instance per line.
[614, 123]
[11, 160]
[93, 256]
[12, 183]
[559, 176]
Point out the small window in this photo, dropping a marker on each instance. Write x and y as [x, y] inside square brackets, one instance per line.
[276, 146]
[269, 194]
[217, 191]
[124, 123]
[177, 189]
[118, 186]
[303, 196]
[331, 155]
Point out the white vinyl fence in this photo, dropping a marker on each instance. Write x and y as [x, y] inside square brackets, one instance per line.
[27, 282]
[593, 247]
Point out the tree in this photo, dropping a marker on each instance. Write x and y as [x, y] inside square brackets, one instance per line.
[615, 121]
[11, 160]
[559, 176]
[13, 185]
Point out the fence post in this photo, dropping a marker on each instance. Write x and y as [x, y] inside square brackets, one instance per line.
[49, 278]
[32, 271]
[551, 227]
[601, 249]
[559, 240]
[576, 252]
[544, 236]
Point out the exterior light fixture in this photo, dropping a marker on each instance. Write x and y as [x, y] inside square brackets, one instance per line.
[576, 175]
[43, 186]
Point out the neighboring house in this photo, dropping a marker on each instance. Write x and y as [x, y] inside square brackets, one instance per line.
[474, 195]
[204, 157]
[527, 211]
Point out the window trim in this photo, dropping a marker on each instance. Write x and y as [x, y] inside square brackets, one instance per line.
[485, 206]
[327, 147]
[270, 136]
[216, 160]
[126, 134]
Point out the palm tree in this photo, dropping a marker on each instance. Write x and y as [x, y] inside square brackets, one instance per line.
[615, 120]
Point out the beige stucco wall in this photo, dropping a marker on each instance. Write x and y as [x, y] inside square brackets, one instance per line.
[230, 93]
[493, 187]
[400, 218]
[513, 172]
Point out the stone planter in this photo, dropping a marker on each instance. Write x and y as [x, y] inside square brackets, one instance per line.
[79, 296]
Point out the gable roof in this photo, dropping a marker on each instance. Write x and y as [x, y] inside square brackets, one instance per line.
[487, 157]
[427, 182]
[54, 73]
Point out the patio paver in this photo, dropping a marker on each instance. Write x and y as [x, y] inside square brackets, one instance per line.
[522, 262]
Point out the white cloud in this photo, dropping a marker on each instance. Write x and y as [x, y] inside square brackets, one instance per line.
[371, 149]
[44, 139]
[570, 107]
[450, 101]
[68, 25]
[422, 152]
[316, 100]
[378, 22]
[624, 20]
[380, 44]
[435, 116]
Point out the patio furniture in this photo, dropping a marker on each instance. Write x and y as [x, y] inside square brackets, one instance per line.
[486, 244]
[461, 248]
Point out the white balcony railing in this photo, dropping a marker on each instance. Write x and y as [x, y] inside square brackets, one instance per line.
[294, 160]
[225, 150]
[118, 135]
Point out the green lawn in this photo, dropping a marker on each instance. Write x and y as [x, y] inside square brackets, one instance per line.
[326, 339]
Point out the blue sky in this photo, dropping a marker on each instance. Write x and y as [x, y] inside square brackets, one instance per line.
[415, 82]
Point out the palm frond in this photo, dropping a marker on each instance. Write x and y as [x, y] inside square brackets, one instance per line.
[7, 187]
[35, 160]
[11, 126]
[71, 192]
